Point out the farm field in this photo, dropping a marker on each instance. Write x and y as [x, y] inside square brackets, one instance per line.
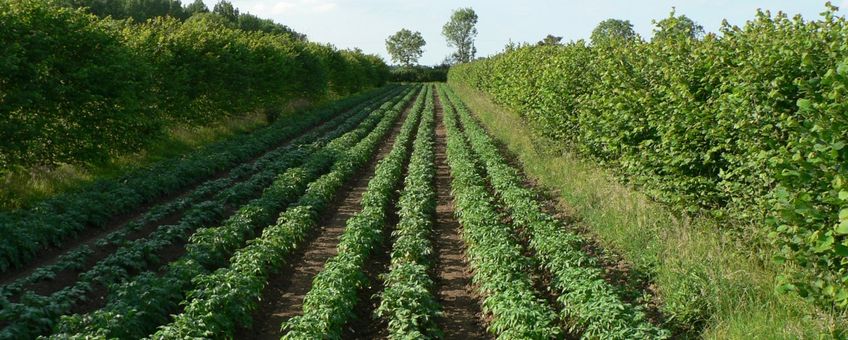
[389, 219]
[175, 170]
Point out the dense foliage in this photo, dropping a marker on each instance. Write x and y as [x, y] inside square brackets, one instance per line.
[141, 10]
[77, 89]
[420, 74]
[405, 47]
[460, 32]
[750, 124]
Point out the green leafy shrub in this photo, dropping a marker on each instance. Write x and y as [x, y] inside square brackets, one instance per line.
[78, 89]
[748, 125]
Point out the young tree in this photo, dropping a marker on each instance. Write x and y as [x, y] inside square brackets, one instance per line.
[677, 27]
[613, 30]
[550, 40]
[405, 47]
[460, 32]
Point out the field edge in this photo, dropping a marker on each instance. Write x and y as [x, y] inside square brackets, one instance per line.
[700, 275]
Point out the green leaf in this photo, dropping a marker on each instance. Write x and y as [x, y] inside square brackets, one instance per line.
[842, 69]
[824, 244]
[842, 228]
[804, 104]
[841, 250]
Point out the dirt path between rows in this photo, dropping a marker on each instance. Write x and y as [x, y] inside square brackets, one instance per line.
[284, 294]
[462, 315]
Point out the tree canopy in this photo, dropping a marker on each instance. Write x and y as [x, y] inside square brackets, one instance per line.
[405, 47]
[677, 27]
[226, 9]
[613, 30]
[460, 32]
[550, 40]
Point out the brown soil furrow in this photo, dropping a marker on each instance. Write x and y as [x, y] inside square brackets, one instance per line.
[92, 235]
[283, 296]
[462, 315]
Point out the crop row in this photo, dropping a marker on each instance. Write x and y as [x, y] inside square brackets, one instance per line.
[589, 304]
[75, 259]
[226, 298]
[36, 314]
[407, 301]
[53, 221]
[330, 302]
[209, 248]
[500, 268]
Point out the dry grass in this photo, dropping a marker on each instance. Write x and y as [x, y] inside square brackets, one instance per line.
[710, 284]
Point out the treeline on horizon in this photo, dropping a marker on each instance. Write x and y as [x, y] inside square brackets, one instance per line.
[80, 88]
[141, 10]
[749, 125]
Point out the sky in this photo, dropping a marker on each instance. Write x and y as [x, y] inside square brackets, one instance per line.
[367, 23]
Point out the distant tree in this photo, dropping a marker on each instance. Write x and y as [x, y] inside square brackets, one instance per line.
[196, 7]
[225, 9]
[250, 22]
[550, 40]
[460, 32]
[677, 27]
[405, 47]
[115, 9]
[613, 30]
[141, 10]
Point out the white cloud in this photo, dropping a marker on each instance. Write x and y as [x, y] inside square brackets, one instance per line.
[325, 7]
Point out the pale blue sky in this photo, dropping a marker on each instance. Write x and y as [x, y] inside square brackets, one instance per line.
[367, 23]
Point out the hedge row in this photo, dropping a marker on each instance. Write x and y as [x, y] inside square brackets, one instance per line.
[750, 125]
[419, 74]
[76, 88]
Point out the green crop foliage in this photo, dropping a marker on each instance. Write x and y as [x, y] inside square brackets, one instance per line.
[408, 302]
[500, 267]
[330, 302]
[208, 248]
